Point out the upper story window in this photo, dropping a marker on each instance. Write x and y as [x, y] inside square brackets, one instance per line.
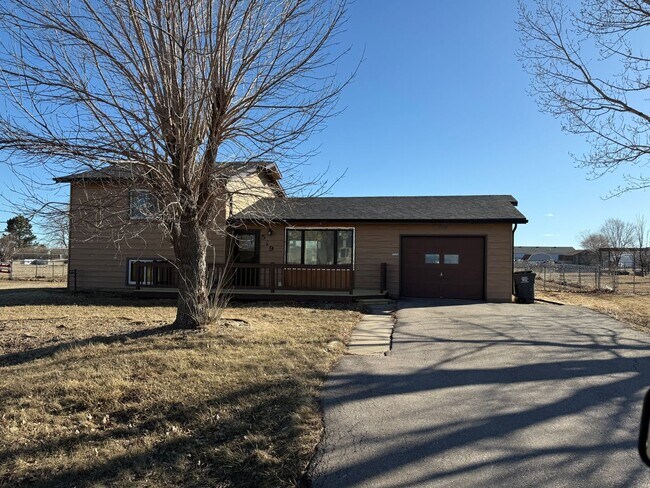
[142, 205]
[319, 246]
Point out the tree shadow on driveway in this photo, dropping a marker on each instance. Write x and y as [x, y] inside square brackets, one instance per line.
[465, 401]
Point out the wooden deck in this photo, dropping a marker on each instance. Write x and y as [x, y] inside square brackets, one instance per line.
[266, 294]
[264, 281]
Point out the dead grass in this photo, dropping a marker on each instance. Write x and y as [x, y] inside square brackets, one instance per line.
[56, 271]
[97, 391]
[632, 309]
[16, 284]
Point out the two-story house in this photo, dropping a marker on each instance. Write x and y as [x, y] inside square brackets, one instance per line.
[412, 246]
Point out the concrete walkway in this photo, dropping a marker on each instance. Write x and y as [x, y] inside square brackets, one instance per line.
[372, 334]
[476, 394]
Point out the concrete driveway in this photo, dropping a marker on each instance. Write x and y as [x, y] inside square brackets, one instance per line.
[478, 394]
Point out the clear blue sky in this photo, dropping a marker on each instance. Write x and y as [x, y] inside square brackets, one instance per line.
[439, 107]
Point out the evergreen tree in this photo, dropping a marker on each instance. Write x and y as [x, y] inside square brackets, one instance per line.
[21, 229]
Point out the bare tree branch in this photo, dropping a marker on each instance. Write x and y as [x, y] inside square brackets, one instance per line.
[172, 95]
[589, 69]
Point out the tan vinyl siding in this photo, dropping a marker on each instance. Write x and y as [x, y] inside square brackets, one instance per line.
[246, 190]
[377, 243]
[103, 238]
[100, 252]
[103, 241]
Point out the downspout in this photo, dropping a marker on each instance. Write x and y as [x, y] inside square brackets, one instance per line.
[512, 281]
[69, 284]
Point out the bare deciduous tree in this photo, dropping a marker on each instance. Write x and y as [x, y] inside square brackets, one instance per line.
[589, 67]
[8, 247]
[594, 242]
[641, 241]
[618, 235]
[167, 93]
[56, 226]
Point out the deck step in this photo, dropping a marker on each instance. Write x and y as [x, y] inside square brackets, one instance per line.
[374, 301]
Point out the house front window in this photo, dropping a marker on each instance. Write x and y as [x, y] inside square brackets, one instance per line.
[142, 205]
[325, 247]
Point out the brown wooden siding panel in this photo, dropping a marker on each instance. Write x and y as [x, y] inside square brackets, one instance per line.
[99, 260]
[102, 264]
[380, 242]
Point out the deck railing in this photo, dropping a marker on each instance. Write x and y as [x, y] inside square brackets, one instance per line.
[270, 277]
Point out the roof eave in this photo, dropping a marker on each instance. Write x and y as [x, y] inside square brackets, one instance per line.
[74, 179]
[270, 169]
[430, 221]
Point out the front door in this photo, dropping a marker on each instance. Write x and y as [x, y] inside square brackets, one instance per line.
[247, 251]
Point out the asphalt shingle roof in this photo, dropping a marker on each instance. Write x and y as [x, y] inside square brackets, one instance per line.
[109, 173]
[484, 208]
[124, 172]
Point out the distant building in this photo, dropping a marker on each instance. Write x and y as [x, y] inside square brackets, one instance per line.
[539, 254]
[606, 257]
[40, 253]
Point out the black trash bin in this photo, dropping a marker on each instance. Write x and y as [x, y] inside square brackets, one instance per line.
[524, 286]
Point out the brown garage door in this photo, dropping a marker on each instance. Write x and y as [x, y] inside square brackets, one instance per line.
[443, 267]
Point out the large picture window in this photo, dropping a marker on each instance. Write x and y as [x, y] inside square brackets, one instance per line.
[324, 247]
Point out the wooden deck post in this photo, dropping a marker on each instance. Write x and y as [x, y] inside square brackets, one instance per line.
[351, 280]
[272, 277]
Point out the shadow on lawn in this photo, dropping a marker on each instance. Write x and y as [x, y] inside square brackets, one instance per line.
[61, 296]
[231, 452]
[247, 448]
[21, 357]
[216, 452]
[244, 436]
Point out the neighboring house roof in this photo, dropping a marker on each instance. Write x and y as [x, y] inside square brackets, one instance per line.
[119, 172]
[540, 256]
[477, 208]
[564, 251]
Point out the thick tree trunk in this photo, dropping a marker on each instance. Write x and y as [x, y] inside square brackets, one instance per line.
[190, 248]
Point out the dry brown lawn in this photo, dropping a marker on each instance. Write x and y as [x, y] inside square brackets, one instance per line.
[98, 391]
[632, 309]
[56, 271]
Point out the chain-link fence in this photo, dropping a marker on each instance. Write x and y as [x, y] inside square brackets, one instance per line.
[588, 278]
[36, 269]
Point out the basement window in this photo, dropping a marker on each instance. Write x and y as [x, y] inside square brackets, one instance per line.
[146, 276]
